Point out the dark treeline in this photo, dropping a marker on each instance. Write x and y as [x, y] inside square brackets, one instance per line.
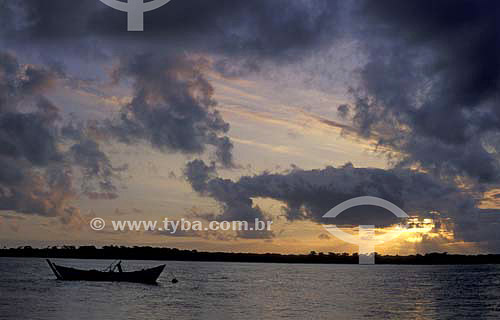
[154, 253]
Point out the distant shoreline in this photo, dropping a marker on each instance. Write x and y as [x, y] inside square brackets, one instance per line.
[172, 254]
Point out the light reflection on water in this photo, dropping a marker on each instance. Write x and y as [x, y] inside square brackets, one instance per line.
[213, 290]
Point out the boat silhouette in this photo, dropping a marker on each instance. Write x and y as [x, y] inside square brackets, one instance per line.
[141, 276]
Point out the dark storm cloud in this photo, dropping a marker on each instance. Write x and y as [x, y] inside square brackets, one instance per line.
[86, 153]
[96, 167]
[343, 111]
[27, 136]
[198, 174]
[17, 83]
[309, 194]
[258, 27]
[45, 193]
[29, 182]
[36, 174]
[430, 87]
[236, 204]
[172, 108]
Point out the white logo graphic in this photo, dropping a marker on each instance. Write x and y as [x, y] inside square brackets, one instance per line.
[366, 238]
[97, 224]
[135, 10]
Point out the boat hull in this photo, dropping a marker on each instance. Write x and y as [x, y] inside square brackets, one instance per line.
[72, 274]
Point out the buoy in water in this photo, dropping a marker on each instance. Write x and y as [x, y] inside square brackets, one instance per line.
[174, 280]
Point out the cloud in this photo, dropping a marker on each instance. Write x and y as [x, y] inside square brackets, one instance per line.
[27, 136]
[428, 94]
[343, 111]
[309, 194]
[47, 193]
[429, 88]
[33, 177]
[236, 205]
[36, 172]
[172, 108]
[239, 36]
[232, 27]
[98, 172]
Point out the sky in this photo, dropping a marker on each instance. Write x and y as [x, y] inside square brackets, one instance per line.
[236, 110]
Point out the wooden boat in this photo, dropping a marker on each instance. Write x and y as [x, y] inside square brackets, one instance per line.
[141, 276]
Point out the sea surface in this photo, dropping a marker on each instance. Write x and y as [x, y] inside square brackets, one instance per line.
[214, 290]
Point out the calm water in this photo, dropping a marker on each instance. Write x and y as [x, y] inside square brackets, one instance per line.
[212, 290]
